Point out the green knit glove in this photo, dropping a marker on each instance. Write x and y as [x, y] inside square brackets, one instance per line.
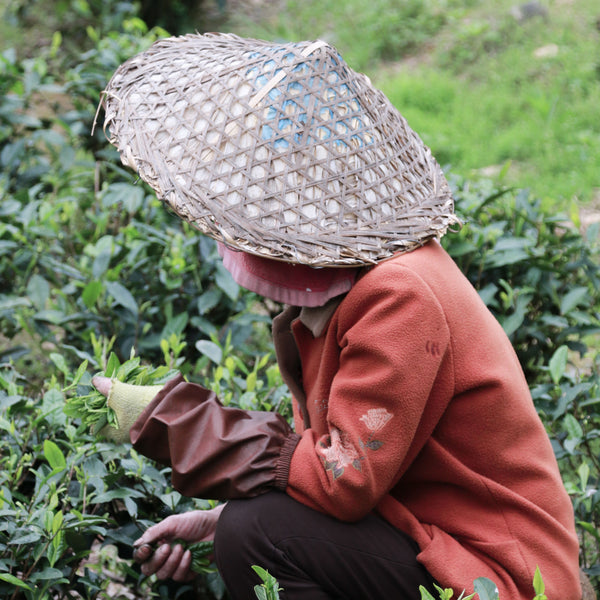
[128, 401]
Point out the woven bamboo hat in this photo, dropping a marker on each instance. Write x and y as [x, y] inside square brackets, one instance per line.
[280, 150]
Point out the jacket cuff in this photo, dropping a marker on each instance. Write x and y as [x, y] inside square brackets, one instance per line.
[282, 468]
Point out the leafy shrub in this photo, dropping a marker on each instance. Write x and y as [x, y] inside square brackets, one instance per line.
[84, 250]
[535, 271]
[72, 18]
[66, 498]
[486, 589]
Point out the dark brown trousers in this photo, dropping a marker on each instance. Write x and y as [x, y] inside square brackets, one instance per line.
[314, 556]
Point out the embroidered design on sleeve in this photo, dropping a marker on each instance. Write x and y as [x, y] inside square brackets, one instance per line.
[338, 453]
[375, 419]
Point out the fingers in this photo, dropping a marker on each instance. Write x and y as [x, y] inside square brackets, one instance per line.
[102, 384]
[169, 528]
[184, 570]
[169, 562]
[142, 553]
[193, 526]
[172, 561]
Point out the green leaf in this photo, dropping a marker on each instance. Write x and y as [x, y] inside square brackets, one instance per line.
[584, 474]
[425, 595]
[486, 589]
[80, 372]
[14, 581]
[590, 528]
[175, 325]
[91, 293]
[572, 427]
[54, 455]
[49, 573]
[445, 593]
[122, 296]
[56, 317]
[538, 582]
[207, 301]
[260, 592]
[558, 363]
[129, 196]
[26, 538]
[112, 364]
[57, 522]
[55, 549]
[103, 252]
[38, 291]
[211, 350]
[60, 363]
[251, 381]
[573, 298]
[226, 282]
[269, 590]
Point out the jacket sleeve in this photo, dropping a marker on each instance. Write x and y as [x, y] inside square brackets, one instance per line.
[387, 393]
[214, 451]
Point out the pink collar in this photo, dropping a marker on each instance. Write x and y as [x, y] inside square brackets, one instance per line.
[297, 285]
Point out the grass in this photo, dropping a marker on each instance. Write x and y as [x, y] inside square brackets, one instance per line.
[490, 94]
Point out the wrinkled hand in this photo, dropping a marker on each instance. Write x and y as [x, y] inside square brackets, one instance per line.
[173, 561]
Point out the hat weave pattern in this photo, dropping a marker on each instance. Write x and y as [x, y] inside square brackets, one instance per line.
[279, 150]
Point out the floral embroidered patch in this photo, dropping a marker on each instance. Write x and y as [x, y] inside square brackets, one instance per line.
[339, 453]
[337, 450]
[375, 420]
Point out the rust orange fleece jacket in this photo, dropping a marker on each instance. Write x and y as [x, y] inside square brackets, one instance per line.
[409, 401]
[419, 409]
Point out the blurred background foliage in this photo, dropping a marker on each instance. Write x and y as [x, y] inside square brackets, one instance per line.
[506, 96]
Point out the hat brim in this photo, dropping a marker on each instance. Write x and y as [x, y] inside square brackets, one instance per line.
[279, 150]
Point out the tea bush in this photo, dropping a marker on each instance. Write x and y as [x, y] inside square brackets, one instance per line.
[91, 261]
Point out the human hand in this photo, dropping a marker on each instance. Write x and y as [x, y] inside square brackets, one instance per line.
[169, 561]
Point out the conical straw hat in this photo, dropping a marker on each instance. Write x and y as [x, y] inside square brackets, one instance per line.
[279, 150]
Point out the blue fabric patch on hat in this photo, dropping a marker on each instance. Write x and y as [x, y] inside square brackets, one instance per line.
[306, 89]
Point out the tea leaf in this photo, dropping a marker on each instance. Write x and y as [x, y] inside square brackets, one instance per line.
[538, 582]
[573, 298]
[122, 296]
[425, 595]
[572, 427]
[54, 455]
[558, 363]
[92, 408]
[486, 589]
[14, 581]
[91, 293]
[60, 363]
[210, 349]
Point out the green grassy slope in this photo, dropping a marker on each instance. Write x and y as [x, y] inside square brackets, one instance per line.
[489, 92]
